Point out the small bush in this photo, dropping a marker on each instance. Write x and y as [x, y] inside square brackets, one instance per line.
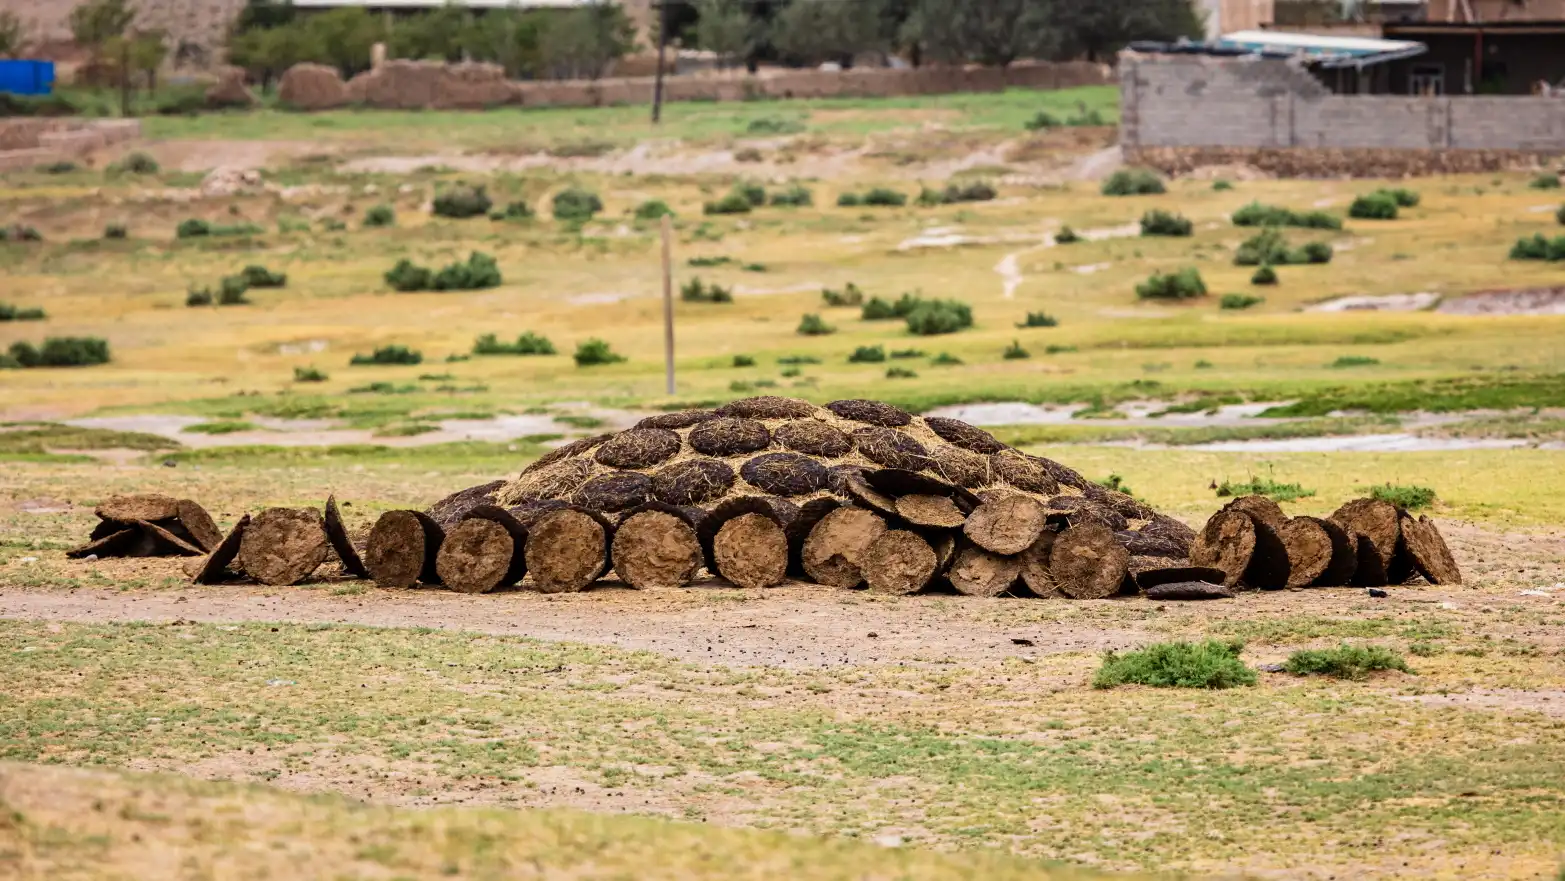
[192, 227]
[977, 191]
[1185, 284]
[1374, 206]
[1040, 319]
[1409, 497]
[576, 205]
[708, 261]
[12, 313]
[332, 224]
[1267, 247]
[528, 343]
[1209, 664]
[1066, 236]
[115, 231]
[20, 233]
[1539, 248]
[1355, 361]
[850, 295]
[813, 325]
[462, 201]
[753, 193]
[1404, 198]
[198, 297]
[1221, 186]
[1264, 486]
[380, 216]
[695, 291]
[935, 317]
[595, 351]
[886, 198]
[733, 203]
[878, 310]
[308, 374]
[798, 359]
[63, 166]
[1256, 214]
[1115, 483]
[774, 125]
[1015, 352]
[744, 360]
[906, 353]
[1546, 181]
[945, 359]
[407, 276]
[389, 355]
[1317, 252]
[653, 209]
[478, 273]
[867, 355]
[1344, 661]
[518, 210]
[796, 196]
[1056, 349]
[1042, 120]
[69, 351]
[260, 277]
[231, 291]
[848, 200]
[136, 163]
[1239, 301]
[1264, 276]
[900, 373]
[1162, 223]
[1133, 182]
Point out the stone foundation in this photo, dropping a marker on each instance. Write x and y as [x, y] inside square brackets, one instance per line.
[1319, 162]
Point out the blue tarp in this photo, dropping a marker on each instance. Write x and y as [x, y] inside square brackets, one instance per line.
[27, 77]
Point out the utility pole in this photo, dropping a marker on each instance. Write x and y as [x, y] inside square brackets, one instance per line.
[657, 87]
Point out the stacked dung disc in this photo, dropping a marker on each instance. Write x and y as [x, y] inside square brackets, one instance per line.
[854, 493]
[150, 525]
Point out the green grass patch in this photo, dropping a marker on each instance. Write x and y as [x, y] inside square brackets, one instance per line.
[1484, 392]
[38, 438]
[1344, 661]
[1264, 486]
[1410, 497]
[222, 427]
[1209, 664]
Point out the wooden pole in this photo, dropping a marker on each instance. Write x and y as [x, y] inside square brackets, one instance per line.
[668, 301]
[657, 86]
[124, 76]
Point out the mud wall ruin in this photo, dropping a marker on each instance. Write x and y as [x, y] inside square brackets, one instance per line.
[1182, 112]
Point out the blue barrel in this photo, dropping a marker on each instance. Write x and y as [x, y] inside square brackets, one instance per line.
[27, 77]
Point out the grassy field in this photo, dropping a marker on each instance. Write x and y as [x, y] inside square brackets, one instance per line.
[387, 734]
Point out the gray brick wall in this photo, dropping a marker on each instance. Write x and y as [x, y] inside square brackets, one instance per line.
[1192, 101]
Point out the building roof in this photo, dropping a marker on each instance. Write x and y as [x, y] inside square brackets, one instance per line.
[1313, 49]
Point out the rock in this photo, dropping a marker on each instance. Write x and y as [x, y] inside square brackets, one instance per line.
[1377, 593]
[230, 90]
[312, 87]
[1189, 590]
[229, 181]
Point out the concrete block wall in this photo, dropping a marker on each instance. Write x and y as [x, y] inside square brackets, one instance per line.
[1198, 104]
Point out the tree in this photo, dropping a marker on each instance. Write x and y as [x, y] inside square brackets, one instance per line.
[993, 32]
[344, 37]
[582, 41]
[265, 53]
[511, 38]
[96, 22]
[440, 35]
[724, 28]
[147, 51]
[1097, 29]
[11, 34]
[813, 31]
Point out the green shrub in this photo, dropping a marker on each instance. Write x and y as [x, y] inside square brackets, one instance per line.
[812, 325]
[945, 359]
[744, 360]
[115, 231]
[12, 313]
[1266, 275]
[1221, 186]
[1133, 182]
[798, 359]
[528, 343]
[68, 351]
[796, 196]
[389, 355]
[1266, 247]
[900, 373]
[1066, 236]
[1015, 352]
[867, 355]
[1162, 223]
[1404, 198]
[1425, 649]
[135, 163]
[198, 297]
[753, 193]
[1409, 497]
[848, 200]
[478, 273]
[1115, 483]
[774, 125]
[1317, 252]
[517, 210]
[308, 374]
[1264, 486]
[192, 227]
[886, 198]
[1560, 215]
[380, 216]
[978, 191]
[1183, 284]
[292, 224]
[260, 277]
[906, 353]
[576, 205]
[1239, 301]
[595, 351]
[462, 201]
[934, 317]
[231, 291]
[1344, 661]
[1043, 119]
[733, 203]
[1355, 361]
[20, 233]
[878, 310]
[850, 295]
[695, 291]
[708, 261]
[1539, 248]
[1256, 214]
[63, 166]
[1209, 664]
[653, 209]
[1040, 319]
[1546, 181]
[1374, 206]
[407, 276]
[1057, 349]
